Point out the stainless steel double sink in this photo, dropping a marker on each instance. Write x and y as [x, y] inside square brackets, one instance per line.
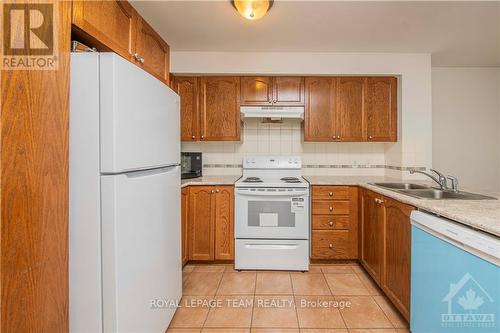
[427, 192]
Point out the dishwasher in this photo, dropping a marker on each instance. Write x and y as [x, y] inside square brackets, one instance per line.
[455, 277]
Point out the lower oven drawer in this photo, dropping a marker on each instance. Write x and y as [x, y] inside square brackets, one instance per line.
[330, 244]
[272, 254]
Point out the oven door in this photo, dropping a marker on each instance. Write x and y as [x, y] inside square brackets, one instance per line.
[272, 213]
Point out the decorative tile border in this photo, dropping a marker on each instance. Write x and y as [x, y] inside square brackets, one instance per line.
[330, 166]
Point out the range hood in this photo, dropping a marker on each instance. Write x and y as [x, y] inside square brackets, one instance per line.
[273, 112]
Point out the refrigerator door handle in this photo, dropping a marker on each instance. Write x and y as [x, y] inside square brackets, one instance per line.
[151, 172]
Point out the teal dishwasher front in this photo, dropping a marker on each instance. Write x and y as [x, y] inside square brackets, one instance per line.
[455, 277]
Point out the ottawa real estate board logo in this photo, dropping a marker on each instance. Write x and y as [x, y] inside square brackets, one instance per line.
[29, 36]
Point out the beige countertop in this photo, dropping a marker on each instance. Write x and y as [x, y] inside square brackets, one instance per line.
[479, 214]
[211, 180]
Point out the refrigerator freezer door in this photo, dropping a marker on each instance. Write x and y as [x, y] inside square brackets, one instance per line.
[140, 126]
[141, 258]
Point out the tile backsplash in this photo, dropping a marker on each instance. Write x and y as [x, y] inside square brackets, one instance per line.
[286, 138]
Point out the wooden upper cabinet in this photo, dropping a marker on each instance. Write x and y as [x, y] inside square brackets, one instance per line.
[187, 88]
[372, 233]
[224, 223]
[319, 118]
[220, 108]
[288, 90]
[350, 109]
[381, 108]
[111, 23]
[152, 53]
[266, 90]
[202, 220]
[256, 90]
[397, 250]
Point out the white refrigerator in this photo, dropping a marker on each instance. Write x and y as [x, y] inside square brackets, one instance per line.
[124, 189]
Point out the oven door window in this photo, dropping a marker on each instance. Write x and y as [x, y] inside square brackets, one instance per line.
[270, 214]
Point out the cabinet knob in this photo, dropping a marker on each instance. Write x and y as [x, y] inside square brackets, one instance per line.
[330, 223]
[334, 137]
[331, 208]
[202, 137]
[338, 136]
[212, 191]
[330, 194]
[135, 56]
[330, 246]
[141, 60]
[370, 137]
[217, 190]
[193, 137]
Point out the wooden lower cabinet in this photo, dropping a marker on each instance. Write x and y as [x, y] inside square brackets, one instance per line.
[334, 222]
[211, 223]
[386, 246]
[397, 254]
[224, 226]
[372, 216]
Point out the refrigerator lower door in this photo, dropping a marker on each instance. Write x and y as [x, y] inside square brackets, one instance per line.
[141, 259]
[140, 118]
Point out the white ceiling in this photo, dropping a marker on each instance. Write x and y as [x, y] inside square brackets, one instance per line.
[455, 33]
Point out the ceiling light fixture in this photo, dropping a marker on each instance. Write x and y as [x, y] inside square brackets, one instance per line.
[252, 9]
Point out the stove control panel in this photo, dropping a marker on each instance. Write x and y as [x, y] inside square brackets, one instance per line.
[272, 162]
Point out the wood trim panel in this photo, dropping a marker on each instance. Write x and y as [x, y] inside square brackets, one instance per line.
[34, 193]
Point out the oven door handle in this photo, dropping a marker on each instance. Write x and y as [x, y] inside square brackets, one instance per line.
[271, 246]
[272, 193]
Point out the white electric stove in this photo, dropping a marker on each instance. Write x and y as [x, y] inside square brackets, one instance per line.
[272, 215]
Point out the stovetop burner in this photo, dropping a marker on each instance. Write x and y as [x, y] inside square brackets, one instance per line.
[252, 180]
[291, 180]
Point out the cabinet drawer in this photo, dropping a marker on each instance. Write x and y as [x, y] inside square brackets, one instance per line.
[328, 244]
[330, 222]
[330, 207]
[330, 192]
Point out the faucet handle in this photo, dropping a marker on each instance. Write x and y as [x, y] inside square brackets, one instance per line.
[442, 178]
[454, 182]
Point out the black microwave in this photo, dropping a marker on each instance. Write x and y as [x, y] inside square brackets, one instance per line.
[191, 165]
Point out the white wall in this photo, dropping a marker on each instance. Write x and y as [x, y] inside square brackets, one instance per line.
[466, 122]
[413, 148]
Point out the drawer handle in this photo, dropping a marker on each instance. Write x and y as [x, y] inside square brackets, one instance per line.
[330, 194]
[330, 223]
[330, 246]
[331, 208]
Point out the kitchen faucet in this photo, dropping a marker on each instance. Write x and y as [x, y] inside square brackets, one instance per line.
[441, 179]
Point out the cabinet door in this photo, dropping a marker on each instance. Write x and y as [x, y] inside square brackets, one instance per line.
[220, 108]
[256, 90]
[185, 225]
[288, 90]
[111, 23]
[350, 113]
[372, 234]
[152, 51]
[224, 223]
[381, 108]
[187, 88]
[397, 250]
[201, 203]
[319, 122]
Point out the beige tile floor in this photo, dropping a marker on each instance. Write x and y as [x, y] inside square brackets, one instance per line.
[218, 299]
